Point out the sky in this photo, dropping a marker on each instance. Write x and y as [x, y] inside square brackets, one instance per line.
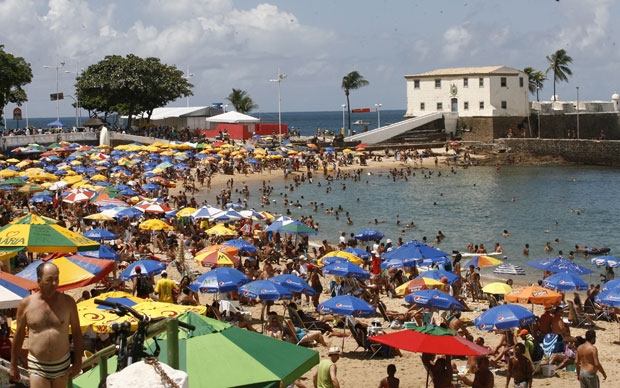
[244, 44]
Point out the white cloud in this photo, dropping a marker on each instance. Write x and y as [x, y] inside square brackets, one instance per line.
[456, 42]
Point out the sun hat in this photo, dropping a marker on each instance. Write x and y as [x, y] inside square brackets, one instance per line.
[388, 241]
[334, 350]
[523, 332]
[290, 261]
[302, 257]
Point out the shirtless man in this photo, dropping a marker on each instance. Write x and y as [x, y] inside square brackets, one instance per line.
[390, 381]
[48, 315]
[520, 368]
[587, 362]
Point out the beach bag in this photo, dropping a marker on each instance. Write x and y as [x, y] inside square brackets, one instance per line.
[144, 286]
[538, 352]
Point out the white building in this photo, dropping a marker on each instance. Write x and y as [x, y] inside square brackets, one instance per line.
[489, 91]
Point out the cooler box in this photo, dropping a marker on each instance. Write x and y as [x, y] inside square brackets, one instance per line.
[548, 370]
[410, 325]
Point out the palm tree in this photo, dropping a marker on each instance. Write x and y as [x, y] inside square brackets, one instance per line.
[242, 102]
[558, 63]
[352, 81]
[536, 79]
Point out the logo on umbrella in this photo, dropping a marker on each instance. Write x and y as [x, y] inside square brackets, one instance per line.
[416, 298]
[263, 291]
[221, 283]
[500, 318]
[338, 304]
[288, 281]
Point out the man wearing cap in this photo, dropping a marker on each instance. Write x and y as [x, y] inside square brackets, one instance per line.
[164, 288]
[326, 374]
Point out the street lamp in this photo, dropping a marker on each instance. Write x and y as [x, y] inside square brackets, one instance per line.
[577, 112]
[57, 67]
[539, 109]
[343, 108]
[280, 78]
[187, 76]
[76, 99]
[378, 107]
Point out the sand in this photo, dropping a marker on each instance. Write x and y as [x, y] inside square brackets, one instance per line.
[354, 368]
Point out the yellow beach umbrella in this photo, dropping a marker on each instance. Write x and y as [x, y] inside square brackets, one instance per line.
[185, 212]
[221, 230]
[99, 217]
[497, 288]
[99, 177]
[166, 310]
[8, 173]
[342, 254]
[100, 320]
[154, 224]
[71, 179]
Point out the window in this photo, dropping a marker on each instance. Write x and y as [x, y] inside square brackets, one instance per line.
[416, 84]
[520, 81]
[481, 105]
[481, 82]
[437, 84]
[439, 106]
[504, 104]
[422, 106]
[465, 82]
[502, 82]
[466, 105]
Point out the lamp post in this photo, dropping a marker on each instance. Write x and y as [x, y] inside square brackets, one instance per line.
[378, 107]
[57, 67]
[539, 109]
[187, 76]
[280, 78]
[343, 108]
[577, 112]
[76, 99]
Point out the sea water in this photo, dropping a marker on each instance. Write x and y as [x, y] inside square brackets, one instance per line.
[563, 205]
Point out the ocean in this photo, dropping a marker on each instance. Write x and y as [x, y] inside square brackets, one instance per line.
[536, 205]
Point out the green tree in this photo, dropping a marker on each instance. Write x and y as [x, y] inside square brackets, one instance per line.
[536, 80]
[130, 85]
[558, 63]
[352, 81]
[241, 100]
[15, 73]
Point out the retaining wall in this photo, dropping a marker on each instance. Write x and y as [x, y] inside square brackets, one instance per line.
[591, 152]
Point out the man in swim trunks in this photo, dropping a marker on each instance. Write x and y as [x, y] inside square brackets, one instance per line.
[587, 362]
[48, 315]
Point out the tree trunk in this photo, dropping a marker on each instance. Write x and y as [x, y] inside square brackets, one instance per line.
[348, 111]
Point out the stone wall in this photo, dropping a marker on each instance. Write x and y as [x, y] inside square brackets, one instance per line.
[590, 152]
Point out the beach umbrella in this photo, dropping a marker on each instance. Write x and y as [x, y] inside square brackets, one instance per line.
[335, 256]
[565, 282]
[369, 235]
[346, 269]
[483, 261]
[294, 283]
[610, 297]
[438, 274]
[227, 215]
[99, 217]
[394, 264]
[100, 234]
[434, 299]
[431, 339]
[41, 199]
[216, 258]
[606, 261]
[79, 196]
[347, 305]
[297, 228]
[560, 264]
[229, 250]
[615, 283]
[154, 224]
[122, 297]
[129, 212]
[362, 254]
[150, 187]
[148, 267]
[36, 234]
[221, 279]
[253, 214]
[104, 252]
[509, 269]
[152, 207]
[221, 230]
[166, 310]
[420, 283]
[13, 289]
[100, 320]
[75, 271]
[241, 245]
[505, 316]
[497, 288]
[265, 290]
[185, 212]
[533, 295]
[415, 252]
[206, 211]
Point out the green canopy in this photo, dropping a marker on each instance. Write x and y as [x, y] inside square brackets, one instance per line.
[432, 330]
[217, 354]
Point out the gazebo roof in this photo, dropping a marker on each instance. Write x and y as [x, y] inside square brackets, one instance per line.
[232, 118]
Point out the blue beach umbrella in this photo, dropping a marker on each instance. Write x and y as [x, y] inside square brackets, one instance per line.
[104, 252]
[394, 264]
[150, 187]
[438, 274]
[362, 254]
[611, 284]
[129, 212]
[293, 283]
[369, 235]
[416, 251]
[206, 211]
[505, 316]
[347, 305]
[241, 245]
[265, 290]
[560, 264]
[606, 261]
[100, 234]
[149, 268]
[346, 269]
[222, 279]
[565, 281]
[41, 199]
[434, 299]
[611, 297]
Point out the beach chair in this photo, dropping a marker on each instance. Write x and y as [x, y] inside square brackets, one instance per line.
[233, 306]
[383, 311]
[292, 331]
[297, 321]
[577, 319]
[596, 313]
[361, 339]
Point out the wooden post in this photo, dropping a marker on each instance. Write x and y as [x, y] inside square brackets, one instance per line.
[173, 343]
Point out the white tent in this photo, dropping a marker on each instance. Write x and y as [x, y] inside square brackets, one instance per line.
[232, 118]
